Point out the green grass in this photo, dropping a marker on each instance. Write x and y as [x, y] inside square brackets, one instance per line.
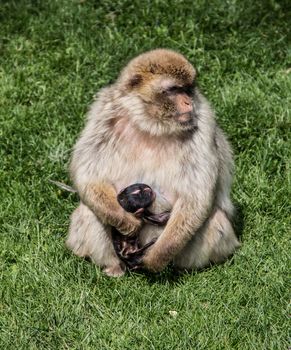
[54, 56]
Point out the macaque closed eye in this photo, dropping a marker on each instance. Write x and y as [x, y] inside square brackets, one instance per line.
[173, 89]
[188, 90]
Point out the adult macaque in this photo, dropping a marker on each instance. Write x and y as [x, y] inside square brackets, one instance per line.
[153, 126]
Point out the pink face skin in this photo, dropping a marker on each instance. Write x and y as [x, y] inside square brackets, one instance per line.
[173, 99]
[184, 107]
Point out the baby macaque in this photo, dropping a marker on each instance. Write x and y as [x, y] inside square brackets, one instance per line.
[139, 199]
[143, 202]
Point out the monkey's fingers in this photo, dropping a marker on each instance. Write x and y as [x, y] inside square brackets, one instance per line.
[129, 225]
[157, 219]
[123, 244]
[134, 259]
[139, 213]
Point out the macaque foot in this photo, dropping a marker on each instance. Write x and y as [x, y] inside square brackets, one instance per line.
[115, 270]
[129, 250]
[134, 259]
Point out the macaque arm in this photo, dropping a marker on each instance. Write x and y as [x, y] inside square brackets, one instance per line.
[186, 218]
[101, 198]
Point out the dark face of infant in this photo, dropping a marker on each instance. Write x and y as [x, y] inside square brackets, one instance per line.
[135, 198]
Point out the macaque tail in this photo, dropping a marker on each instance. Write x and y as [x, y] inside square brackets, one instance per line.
[63, 186]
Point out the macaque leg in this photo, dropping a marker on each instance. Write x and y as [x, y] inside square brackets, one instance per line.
[214, 242]
[88, 237]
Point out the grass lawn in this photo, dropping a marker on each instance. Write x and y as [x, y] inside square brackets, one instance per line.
[54, 55]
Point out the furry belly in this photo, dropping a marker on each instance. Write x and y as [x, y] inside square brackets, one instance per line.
[148, 233]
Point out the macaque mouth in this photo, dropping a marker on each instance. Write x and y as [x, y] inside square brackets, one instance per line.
[186, 119]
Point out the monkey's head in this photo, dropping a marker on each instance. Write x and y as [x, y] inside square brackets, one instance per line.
[135, 198]
[159, 88]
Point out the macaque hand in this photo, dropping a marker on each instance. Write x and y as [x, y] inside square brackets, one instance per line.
[129, 224]
[134, 258]
[152, 262]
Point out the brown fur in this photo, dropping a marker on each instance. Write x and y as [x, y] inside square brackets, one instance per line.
[158, 62]
[101, 198]
[132, 135]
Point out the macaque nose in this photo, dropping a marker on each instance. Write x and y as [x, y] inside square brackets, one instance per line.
[184, 104]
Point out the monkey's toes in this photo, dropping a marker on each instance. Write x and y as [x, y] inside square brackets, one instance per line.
[134, 259]
[115, 271]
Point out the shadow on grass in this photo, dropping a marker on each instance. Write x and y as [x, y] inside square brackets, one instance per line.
[172, 275]
[239, 221]
[169, 276]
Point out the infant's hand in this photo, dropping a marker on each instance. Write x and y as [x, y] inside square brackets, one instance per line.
[134, 259]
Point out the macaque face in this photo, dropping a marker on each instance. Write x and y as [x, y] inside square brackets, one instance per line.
[172, 103]
[161, 85]
[176, 100]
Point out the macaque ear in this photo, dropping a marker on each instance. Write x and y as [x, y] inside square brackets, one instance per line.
[135, 81]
